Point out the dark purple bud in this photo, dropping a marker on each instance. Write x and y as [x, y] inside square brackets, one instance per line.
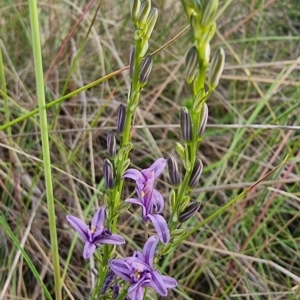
[121, 116]
[173, 170]
[196, 173]
[146, 69]
[131, 62]
[185, 124]
[191, 209]
[108, 280]
[116, 290]
[111, 143]
[204, 118]
[108, 171]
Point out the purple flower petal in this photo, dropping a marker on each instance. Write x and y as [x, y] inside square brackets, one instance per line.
[158, 284]
[137, 293]
[98, 218]
[170, 282]
[134, 201]
[161, 228]
[158, 166]
[79, 226]
[158, 201]
[133, 174]
[120, 268]
[138, 202]
[149, 250]
[114, 239]
[89, 249]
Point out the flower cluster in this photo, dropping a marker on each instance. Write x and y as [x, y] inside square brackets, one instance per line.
[149, 198]
[138, 270]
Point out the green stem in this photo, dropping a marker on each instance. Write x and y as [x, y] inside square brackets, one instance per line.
[45, 142]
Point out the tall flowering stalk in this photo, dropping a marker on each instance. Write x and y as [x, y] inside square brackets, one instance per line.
[144, 19]
[138, 272]
[201, 15]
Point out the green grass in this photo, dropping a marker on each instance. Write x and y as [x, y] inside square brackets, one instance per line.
[248, 250]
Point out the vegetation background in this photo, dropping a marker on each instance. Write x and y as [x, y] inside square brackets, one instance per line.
[249, 252]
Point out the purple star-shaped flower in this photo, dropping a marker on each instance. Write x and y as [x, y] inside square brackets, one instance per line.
[96, 233]
[138, 270]
[149, 198]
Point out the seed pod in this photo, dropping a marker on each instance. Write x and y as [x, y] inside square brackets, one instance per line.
[196, 173]
[108, 172]
[146, 69]
[111, 143]
[204, 118]
[121, 116]
[185, 124]
[191, 209]
[209, 12]
[191, 64]
[131, 62]
[144, 12]
[151, 21]
[216, 69]
[173, 170]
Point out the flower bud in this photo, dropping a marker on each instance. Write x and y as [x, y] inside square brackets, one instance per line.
[209, 12]
[124, 151]
[190, 210]
[204, 118]
[185, 124]
[197, 29]
[144, 12]
[216, 68]
[199, 100]
[151, 21]
[111, 143]
[146, 69]
[178, 232]
[115, 290]
[180, 150]
[191, 64]
[108, 172]
[173, 170]
[135, 8]
[190, 6]
[196, 173]
[121, 116]
[131, 62]
[107, 282]
[208, 33]
[172, 199]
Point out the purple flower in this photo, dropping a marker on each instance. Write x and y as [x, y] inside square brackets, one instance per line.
[139, 272]
[149, 198]
[96, 233]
